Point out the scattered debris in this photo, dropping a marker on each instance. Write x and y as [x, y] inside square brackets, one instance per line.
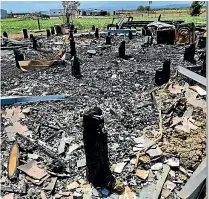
[142, 174]
[118, 168]
[32, 170]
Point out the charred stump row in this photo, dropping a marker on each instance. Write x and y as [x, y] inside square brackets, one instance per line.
[97, 33]
[52, 30]
[72, 48]
[5, 34]
[95, 144]
[48, 34]
[108, 40]
[76, 70]
[122, 49]
[163, 76]
[25, 33]
[130, 35]
[18, 57]
[166, 37]
[189, 53]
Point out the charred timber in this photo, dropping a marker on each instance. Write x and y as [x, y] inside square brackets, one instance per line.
[163, 76]
[95, 144]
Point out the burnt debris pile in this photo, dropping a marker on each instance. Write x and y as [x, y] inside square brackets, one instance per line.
[104, 114]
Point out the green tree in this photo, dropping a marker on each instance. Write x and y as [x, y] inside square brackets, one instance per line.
[147, 8]
[195, 8]
[140, 8]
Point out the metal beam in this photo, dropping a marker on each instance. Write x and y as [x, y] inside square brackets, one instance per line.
[194, 185]
[22, 99]
[188, 73]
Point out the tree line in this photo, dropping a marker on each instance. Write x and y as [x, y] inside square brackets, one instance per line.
[195, 8]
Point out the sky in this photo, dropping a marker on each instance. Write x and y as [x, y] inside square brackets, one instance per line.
[33, 6]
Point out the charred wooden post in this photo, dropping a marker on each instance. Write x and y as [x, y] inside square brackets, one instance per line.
[159, 17]
[75, 30]
[34, 43]
[5, 34]
[39, 27]
[31, 36]
[202, 42]
[71, 35]
[75, 69]
[93, 28]
[151, 40]
[143, 32]
[97, 33]
[108, 40]
[25, 33]
[189, 53]
[48, 34]
[18, 57]
[72, 27]
[166, 36]
[130, 35]
[58, 29]
[52, 30]
[95, 144]
[122, 49]
[162, 77]
[72, 48]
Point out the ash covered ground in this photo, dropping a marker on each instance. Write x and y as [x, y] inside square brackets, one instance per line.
[121, 88]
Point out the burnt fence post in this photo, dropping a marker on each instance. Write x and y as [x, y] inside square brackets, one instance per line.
[5, 34]
[97, 33]
[122, 49]
[52, 30]
[25, 33]
[48, 34]
[95, 144]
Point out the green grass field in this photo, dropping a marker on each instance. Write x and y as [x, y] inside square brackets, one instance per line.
[16, 25]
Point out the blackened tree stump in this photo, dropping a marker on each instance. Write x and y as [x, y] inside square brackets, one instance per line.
[25, 33]
[122, 49]
[52, 30]
[162, 77]
[18, 57]
[48, 34]
[189, 53]
[95, 144]
[97, 33]
[34, 43]
[76, 70]
[130, 35]
[108, 40]
[72, 48]
[5, 34]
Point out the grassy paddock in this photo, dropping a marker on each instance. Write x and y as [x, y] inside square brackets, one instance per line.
[12, 26]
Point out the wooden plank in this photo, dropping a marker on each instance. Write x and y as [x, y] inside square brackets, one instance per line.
[188, 73]
[153, 190]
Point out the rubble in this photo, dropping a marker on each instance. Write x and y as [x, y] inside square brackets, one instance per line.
[155, 135]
